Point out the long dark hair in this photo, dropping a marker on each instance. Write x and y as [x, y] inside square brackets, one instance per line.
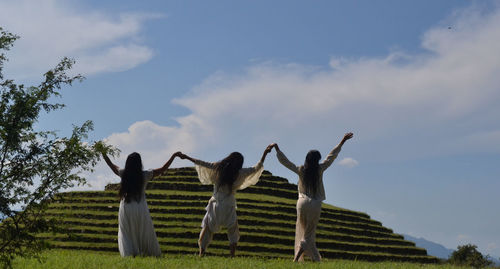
[228, 169]
[311, 171]
[132, 179]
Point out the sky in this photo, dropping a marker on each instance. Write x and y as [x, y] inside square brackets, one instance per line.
[417, 82]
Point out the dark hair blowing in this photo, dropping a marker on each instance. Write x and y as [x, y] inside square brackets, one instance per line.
[132, 179]
[228, 169]
[311, 171]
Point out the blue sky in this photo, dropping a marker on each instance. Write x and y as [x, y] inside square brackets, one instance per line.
[416, 81]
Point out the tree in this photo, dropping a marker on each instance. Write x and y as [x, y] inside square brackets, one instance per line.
[35, 165]
[468, 255]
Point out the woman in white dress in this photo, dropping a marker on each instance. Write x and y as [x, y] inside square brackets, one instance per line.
[227, 176]
[311, 196]
[136, 234]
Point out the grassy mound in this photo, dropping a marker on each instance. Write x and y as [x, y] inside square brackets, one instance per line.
[266, 216]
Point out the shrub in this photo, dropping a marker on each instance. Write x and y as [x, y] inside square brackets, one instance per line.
[468, 255]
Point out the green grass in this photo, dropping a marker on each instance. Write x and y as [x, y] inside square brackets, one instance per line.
[110, 196]
[266, 216]
[244, 210]
[58, 259]
[246, 236]
[180, 200]
[175, 226]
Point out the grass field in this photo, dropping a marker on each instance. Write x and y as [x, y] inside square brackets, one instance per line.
[86, 259]
[266, 217]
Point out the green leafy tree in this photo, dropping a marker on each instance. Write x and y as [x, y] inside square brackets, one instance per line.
[35, 165]
[468, 255]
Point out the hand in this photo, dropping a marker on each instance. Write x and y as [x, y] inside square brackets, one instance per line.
[275, 145]
[182, 155]
[268, 148]
[177, 154]
[348, 136]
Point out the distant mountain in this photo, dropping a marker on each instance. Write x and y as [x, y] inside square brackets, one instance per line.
[437, 250]
[434, 249]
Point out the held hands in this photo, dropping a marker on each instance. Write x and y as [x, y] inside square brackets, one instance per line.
[181, 155]
[269, 148]
[274, 145]
[266, 151]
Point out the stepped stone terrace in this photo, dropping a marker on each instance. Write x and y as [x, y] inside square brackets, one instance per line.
[266, 217]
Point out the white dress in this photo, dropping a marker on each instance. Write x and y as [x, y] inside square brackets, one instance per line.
[136, 234]
[308, 205]
[221, 208]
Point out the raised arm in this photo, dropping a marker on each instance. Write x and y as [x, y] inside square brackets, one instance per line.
[335, 152]
[196, 161]
[206, 171]
[250, 176]
[186, 157]
[284, 160]
[111, 165]
[159, 171]
[266, 151]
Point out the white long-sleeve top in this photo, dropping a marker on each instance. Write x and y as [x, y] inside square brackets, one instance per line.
[299, 170]
[221, 208]
[246, 177]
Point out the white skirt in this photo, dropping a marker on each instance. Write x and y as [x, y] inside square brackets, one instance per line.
[136, 234]
[308, 213]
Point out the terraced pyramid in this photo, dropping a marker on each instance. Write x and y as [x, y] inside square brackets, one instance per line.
[266, 217]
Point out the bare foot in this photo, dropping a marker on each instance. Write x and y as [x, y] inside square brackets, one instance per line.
[299, 253]
[232, 249]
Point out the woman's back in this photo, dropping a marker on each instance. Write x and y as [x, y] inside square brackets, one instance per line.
[139, 195]
[317, 191]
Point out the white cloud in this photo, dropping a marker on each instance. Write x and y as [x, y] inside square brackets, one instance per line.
[394, 96]
[114, 59]
[399, 107]
[152, 138]
[155, 143]
[52, 29]
[349, 162]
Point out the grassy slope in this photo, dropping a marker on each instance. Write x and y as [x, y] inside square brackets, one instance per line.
[266, 214]
[57, 259]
